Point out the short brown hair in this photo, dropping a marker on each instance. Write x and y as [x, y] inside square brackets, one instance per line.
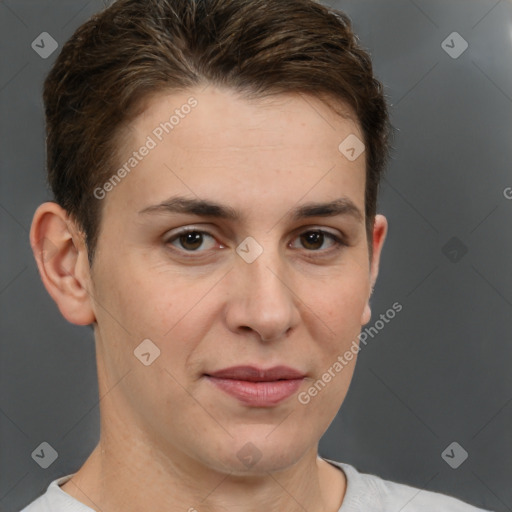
[136, 48]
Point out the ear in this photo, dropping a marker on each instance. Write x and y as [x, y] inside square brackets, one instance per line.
[61, 256]
[380, 229]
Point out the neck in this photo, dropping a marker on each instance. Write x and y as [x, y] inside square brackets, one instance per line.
[131, 471]
[134, 477]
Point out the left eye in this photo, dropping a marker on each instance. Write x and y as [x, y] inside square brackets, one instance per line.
[192, 240]
[317, 237]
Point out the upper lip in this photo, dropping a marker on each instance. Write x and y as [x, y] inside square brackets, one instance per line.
[255, 374]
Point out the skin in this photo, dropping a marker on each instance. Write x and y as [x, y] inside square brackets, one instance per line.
[169, 439]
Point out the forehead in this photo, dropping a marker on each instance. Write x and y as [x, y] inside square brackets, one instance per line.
[215, 108]
[216, 144]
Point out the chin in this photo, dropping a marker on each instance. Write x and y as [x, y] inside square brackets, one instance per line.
[261, 452]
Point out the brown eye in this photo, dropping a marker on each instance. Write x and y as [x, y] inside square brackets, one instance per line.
[313, 240]
[190, 240]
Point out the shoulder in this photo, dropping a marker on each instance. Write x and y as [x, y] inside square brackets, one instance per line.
[371, 493]
[56, 500]
[38, 505]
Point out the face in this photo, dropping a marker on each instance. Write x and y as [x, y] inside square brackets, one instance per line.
[259, 281]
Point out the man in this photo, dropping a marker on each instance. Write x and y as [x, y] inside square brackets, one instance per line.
[215, 166]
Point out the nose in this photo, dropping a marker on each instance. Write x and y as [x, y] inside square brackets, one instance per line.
[261, 297]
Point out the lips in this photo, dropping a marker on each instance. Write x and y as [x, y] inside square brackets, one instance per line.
[257, 387]
[254, 374]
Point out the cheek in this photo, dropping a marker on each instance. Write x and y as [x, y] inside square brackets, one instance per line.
[336, 310]
[341, 299]
[147, 302]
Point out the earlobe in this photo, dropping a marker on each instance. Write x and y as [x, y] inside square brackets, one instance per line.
[380, 229]
[61, 258]
[367, 313]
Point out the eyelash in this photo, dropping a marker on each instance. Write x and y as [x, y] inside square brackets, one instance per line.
[339, 243]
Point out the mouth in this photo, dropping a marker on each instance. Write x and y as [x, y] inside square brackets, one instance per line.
[257, 387]
[255, 374]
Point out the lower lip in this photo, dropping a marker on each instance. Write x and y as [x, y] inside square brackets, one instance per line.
[260, 394]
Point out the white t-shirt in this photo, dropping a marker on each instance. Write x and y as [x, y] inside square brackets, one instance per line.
[364, 493]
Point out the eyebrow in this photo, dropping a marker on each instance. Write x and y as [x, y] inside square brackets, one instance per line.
[205, 208]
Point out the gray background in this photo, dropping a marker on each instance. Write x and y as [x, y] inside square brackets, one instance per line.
[438, 372]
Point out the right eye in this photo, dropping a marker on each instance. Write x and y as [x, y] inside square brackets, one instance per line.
[189, 240]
